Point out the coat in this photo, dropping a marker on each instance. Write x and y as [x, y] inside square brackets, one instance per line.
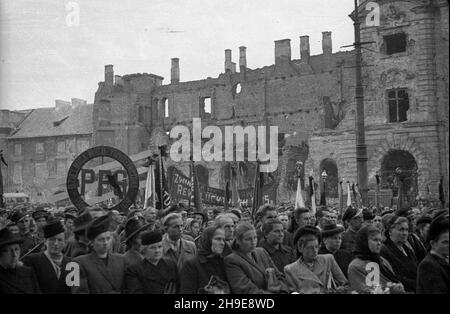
[96, 277]
[405, 267]
[75, 248]
[187, 250]
[246, 276]
[348, 240]
[144, 277]
[342, 257]
[46, 275]
[281, 257]
[132, 257]
[197, 271]
[417, 246]
[433, 275]
[21, 280]
[301, 279]
[357, 275]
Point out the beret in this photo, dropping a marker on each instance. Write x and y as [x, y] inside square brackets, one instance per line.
[305, 231]
[151, 237]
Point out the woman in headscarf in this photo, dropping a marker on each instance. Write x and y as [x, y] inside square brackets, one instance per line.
[198, 272]
[396, 251]
[191, 229]
[368, 264]
[250, 270]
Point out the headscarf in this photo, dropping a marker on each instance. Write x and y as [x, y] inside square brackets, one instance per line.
[363, 252]
[205, 241]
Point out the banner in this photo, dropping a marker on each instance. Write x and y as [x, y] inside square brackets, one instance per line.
[180, 189]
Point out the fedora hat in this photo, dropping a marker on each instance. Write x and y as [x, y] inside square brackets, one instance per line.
[331, 229]
[305, 231]
[8, 238]
[82, 221]
[134, 226]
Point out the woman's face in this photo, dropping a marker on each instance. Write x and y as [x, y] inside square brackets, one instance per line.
[441, 244]
[399, 233]
[195, 228]
[309, 249]
[377, 222]
[218, 241]
[154, 252]
[375, 243]
[248, 241]
[9, 256]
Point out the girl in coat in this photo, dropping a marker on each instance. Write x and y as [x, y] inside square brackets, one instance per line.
[197, 271]
[368, 264]
[250, 270]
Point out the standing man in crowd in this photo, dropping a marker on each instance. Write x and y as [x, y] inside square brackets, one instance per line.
[80, 244]
[174, 246]
[225, 221]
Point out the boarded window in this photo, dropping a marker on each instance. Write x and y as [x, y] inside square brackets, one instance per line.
[141, 114]
[398, 102]
[205, 107]
[17, 174]
[39, 148]
[17, 149]
[61, 147]
[40, 172]
[395, 43]
[166, 107]
[61, 168]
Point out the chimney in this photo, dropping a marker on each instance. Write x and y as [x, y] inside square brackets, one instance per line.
[327, 45]
[175, 71]
[228, 62]
[62, 105]
[304, 49]
[242, 58]
[282, 51]
[109, 75]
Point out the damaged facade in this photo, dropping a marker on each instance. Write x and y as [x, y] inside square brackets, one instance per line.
[311, 100]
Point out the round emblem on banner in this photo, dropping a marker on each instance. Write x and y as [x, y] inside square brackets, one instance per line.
[125, 190]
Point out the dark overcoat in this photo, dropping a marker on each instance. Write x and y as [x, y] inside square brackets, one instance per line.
[433, 275]
[20, 280]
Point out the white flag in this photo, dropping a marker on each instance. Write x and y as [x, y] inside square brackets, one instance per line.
[150, 187]
[349, 194]
[299, 197]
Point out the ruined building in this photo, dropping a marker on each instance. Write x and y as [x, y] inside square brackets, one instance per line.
[312, 101]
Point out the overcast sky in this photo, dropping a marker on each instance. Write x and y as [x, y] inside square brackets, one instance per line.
[43, 57]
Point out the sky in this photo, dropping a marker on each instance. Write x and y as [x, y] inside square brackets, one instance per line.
[48, 53]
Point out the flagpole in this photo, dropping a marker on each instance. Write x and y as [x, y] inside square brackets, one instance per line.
[161, 187]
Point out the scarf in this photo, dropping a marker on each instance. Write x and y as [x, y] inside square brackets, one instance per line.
[363, 252]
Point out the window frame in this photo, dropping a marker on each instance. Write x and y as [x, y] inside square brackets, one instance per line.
[397, 100]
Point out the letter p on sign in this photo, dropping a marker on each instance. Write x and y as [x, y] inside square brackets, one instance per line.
[73, 277]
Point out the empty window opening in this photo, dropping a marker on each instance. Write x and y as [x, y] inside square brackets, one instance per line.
[398, 101]
[395, 43]
[166, 107]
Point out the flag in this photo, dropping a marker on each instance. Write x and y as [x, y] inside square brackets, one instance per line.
[257, 189]
[341, 196]
[323, 196]
[312, 194]
[355, 196]
[441, 192]
[196, 189]
[358, 195]
[234, 186]
[162, 193]
[227, 195]
[349, 195]
[299, 197]
[150, 192]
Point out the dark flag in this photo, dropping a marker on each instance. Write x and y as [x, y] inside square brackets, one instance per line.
[196, 189]
[257, 189]
[227, 195]
[162, 192]
[1, 178]
[341, 197]
[441, 192]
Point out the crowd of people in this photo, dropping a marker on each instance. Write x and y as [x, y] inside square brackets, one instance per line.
[179, 250]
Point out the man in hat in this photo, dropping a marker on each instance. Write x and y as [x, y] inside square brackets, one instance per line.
[133, 229]
[422, 226]
[155, 273]
[100, 271]
[353, 217]
[174, 246]
[50, 265]
[331, 244]
[80, 244]
[14, 278]
[30, 242]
